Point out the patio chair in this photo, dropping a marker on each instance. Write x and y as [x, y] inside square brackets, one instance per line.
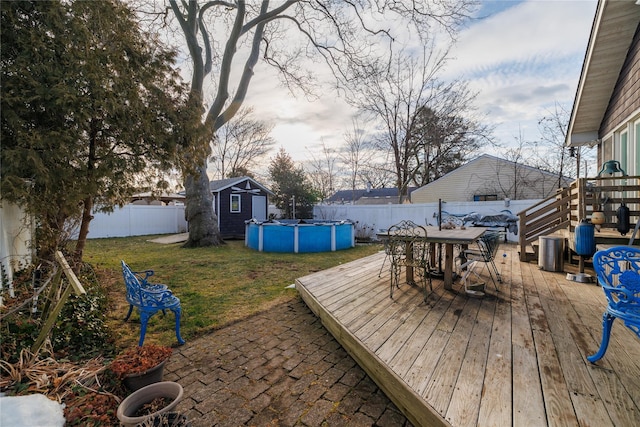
[389, 249]
[485, 254]
[149, 298]
[407, 247]
[618, 272]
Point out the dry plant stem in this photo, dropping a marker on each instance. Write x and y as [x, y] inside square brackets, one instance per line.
[104, 393]
[48, 376]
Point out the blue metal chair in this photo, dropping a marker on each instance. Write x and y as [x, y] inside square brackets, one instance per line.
[149, 298]
[618, 271]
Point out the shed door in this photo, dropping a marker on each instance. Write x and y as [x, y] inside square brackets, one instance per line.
[259, 207]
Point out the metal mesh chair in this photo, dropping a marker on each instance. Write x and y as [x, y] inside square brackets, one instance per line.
[485, 254]
[407, 248]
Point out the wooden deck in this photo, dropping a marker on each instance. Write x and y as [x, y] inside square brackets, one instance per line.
[512, 358]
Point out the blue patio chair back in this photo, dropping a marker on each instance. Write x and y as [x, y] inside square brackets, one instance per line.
[618, 273]
[149, 298]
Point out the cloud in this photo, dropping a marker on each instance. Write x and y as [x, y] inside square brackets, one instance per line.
[530, 32]
[523, 57]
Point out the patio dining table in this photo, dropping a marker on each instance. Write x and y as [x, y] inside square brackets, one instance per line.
[448, 237]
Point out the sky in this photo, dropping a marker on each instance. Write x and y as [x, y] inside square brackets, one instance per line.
[521, 57]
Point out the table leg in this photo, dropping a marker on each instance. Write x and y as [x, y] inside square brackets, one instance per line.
[409, 264]
[448, 266]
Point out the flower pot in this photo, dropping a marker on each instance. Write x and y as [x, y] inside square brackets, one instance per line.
[136, 381]
[168, 390]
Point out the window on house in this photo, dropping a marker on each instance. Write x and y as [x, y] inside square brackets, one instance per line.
[624, 137]
[485, 197]
[235, 203]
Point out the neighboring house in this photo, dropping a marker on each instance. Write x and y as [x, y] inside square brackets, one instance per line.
[487, 178]
[149, 198]
[236, 200]
[368, 196]
[606, 110]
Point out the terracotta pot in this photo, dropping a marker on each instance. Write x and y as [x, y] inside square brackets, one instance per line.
[598, 218]
[127, 409]
[136, 381]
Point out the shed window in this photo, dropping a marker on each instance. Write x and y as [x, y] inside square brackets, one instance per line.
[485, 197]
[235, 203]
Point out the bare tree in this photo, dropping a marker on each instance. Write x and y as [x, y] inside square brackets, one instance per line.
[376, 174]
[287, 35]
[552, 154]
[356, 154]
[393, 97]
[422, 120]
[447, 133]
[323, 171]
[240, 143]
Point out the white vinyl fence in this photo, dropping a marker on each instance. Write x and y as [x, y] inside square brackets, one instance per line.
[138, 220]
[376, 217]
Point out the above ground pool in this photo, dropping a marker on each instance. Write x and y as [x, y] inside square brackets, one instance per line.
[299, 236]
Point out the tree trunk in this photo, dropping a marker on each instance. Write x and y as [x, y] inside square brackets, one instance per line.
[83, 233]
[88, 201]
[202, 220]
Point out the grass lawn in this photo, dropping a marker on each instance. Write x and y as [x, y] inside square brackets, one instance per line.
[216, 285]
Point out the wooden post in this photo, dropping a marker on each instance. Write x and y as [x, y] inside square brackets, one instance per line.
[75, 286]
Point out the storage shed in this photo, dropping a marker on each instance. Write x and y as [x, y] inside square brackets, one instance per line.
[236, 200]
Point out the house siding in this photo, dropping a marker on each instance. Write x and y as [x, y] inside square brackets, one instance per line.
[625, 99]
[488, 175]
[232, 224]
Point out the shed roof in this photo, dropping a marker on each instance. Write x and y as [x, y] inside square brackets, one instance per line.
[219, 185]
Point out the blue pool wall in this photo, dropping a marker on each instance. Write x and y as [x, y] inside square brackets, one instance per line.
[299, 236]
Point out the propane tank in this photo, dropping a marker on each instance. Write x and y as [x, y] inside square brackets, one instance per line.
[623, 219]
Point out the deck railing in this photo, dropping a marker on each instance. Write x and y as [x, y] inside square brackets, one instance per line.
[565, 209]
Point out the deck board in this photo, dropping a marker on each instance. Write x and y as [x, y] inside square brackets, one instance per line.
[514, 357]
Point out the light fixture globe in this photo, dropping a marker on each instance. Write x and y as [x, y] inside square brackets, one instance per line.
[597, 218]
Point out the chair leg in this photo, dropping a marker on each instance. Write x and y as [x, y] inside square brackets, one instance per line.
[382, 266]
[607, 323]
[494, 267]
[468, 268]
[427, 279]
[177, 312]
[129, 313]
[144, 318]
[392, 271]
[395, 278]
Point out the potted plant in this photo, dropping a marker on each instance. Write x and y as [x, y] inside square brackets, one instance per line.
[153, 405]
[141, 366]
